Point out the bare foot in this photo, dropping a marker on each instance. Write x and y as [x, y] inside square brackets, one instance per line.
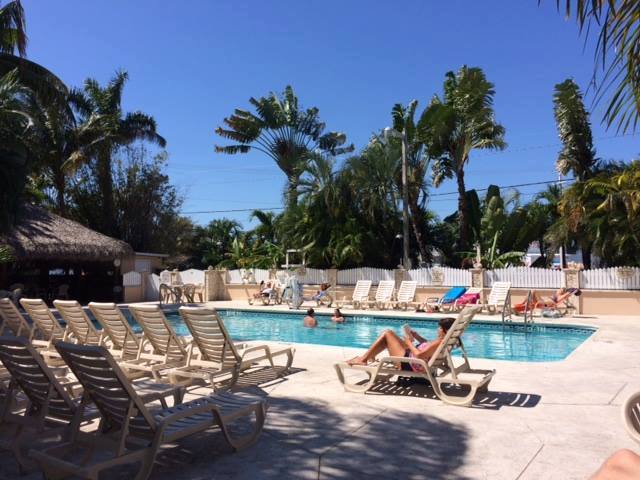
[357, 361]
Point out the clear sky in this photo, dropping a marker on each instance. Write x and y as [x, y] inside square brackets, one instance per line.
[192, 62]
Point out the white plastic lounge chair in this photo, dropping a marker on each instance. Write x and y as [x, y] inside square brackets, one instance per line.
[46, 326]
[218, 355]
[136, 433]
[82, 329]
[438, 371]
[500, 299]
[51, 406]
[117, 329]
[631, 416]
[13, 321]
[406, 294]
[360, 295]
[459, 303]
[168, 349]
[384, 293]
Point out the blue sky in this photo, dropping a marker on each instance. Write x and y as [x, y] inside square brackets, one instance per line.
[191, 63]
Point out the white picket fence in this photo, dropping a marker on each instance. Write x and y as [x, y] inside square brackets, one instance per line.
[152, 287]
[525, 277]
[616, 278]
[351, 276]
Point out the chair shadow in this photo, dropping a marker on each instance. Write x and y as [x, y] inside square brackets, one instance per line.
[255, 377]
[489, 400]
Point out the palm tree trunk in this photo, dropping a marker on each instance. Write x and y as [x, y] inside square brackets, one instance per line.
[462, 213]
[417, 228]
[586, 248]
[292, 192]
[60, 185]
[105, 184]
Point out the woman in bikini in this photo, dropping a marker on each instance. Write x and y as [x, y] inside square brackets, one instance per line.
[405, 347]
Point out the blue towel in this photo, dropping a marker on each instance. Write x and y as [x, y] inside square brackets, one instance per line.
[453, 294]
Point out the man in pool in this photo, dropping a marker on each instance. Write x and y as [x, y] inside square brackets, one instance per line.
[405, 347]
[310, 320]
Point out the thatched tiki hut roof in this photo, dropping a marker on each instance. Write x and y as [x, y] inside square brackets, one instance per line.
[42, 235]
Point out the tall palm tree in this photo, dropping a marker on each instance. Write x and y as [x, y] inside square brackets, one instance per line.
[280, 129]
[454, 125]
[572, 119]
[577, 155]
[13, 34]
[417, 164]
[102, 108]
[617, 26]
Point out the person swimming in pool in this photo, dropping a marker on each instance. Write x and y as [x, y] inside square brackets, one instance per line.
[405, 347]
[310, 320]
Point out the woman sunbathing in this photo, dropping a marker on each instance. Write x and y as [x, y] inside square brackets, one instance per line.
[561, 295]
[398, 347]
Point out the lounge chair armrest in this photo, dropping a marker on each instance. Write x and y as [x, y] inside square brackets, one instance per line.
[257, 348]
[205, 407]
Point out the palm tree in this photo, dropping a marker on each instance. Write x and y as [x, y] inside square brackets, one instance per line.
[15, 124]
[417, 164]
[616, 54]
[280, 129]
[456, 124]
[13, 39]
[572, 119]
[265, 232]
[102, 108]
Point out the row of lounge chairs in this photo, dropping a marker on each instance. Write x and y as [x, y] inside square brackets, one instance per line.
[107, 366]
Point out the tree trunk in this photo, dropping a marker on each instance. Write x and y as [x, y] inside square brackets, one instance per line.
[586, 248]
[416, 223]
[463, 219]
[292, 192]
[105, 183]
[60, 184]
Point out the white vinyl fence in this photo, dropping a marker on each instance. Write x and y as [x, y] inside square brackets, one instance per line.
[616, 278]
[152, 287]
[351, 276]
[525, 277]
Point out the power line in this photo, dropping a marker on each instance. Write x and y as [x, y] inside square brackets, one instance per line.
[240, 210]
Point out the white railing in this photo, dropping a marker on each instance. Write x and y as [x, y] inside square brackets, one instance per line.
[312, 276]
[351, 276]
[525, 277]
[616, 278]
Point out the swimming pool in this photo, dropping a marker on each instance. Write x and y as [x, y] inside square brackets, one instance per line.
[534, 343]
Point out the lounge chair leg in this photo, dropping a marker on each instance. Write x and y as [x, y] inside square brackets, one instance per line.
[352, 387]
[241, 442]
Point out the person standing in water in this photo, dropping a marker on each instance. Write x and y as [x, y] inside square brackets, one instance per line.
[310, 320]
[337, 316]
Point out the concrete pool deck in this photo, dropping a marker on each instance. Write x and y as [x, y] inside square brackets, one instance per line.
[556, 420]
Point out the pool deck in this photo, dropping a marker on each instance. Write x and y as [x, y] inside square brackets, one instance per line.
[556, 420]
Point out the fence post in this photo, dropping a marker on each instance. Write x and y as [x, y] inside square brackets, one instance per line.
[572, 280]
[399, 275]
[174, 276]
[477, 280]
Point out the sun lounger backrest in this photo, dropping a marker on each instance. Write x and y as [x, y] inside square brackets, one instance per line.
[43, 318]
[499, 293]
[407, 291]
[157, 331]
[453, 294]
[385, 290]
[77, 321]
[35, 379]
[13, 319]
[452, 338]
[116, 326]
[108, 387]
[209, 335]
[361, 290]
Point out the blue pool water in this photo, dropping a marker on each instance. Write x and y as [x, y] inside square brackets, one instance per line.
[537, 343]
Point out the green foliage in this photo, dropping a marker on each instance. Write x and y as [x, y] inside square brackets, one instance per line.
[6, 254]
[283, 131]
[454, 125]
[617, 26]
